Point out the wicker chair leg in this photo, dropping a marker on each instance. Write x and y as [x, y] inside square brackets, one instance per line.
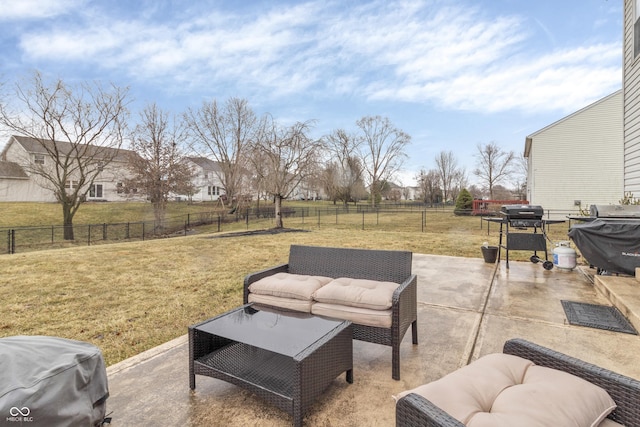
[395, 362]
[414, 331]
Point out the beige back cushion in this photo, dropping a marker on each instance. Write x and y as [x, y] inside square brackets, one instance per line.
[362, 293]
[287, 285]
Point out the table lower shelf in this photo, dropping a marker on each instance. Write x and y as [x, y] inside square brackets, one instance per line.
[242, 363]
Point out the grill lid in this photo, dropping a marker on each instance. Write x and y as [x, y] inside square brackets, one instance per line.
[522, 211]
[615, 211]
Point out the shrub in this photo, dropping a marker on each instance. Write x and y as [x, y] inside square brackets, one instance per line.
[464, 203]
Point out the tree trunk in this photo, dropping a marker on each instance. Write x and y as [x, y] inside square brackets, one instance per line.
[278, 211]
[67, 221]
[159, 209]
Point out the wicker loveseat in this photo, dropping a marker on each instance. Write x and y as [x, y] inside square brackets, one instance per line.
[414, 409]
[357, 264]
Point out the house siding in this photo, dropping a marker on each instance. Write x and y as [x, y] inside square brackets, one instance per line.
[578, 158]
[631, 114]
[37, 189]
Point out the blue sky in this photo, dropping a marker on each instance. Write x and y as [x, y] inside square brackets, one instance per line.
[451, 73]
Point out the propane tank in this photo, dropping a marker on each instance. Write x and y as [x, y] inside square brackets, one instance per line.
[564, 257]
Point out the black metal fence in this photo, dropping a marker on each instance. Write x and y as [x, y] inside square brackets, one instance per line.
[397, 217]
[24, 239]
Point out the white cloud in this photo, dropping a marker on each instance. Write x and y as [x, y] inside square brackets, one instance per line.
[424, 52]
[36, 9]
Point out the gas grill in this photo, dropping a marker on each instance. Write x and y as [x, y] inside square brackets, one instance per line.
[615, 211]
[523, 217]
[609, 239]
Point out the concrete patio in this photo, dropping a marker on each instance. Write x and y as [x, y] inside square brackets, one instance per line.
[466, 309]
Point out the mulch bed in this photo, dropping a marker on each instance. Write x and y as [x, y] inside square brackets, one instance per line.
[259, 232]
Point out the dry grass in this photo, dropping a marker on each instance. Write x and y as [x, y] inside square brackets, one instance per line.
[28, 214]
[129, 297]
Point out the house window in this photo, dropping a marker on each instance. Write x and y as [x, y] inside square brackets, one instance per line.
[70, 184]
[636, 28]
[212, 190]
[119, 188]
[38, 159]
[95, 191]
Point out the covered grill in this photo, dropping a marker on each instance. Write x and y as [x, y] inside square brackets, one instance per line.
[610, 238]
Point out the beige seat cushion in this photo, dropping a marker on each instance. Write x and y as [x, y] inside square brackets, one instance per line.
[287, 285]
[360, 316]
[286, 303]
[609, 423]
[362, 293]
[501, 390]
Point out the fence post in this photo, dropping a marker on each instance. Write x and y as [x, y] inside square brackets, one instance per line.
[363, 219]
[104, 231]
[126, 231]
[219, 222]
[246, 218]
[143, 230]
[52, 231]
[186, 226]
[89, 235]
[188, 220]
[318, 218]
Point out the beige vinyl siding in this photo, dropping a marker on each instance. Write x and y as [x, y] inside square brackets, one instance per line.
[631, 87]
[578, 158]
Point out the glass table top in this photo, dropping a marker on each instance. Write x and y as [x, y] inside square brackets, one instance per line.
[287, 333]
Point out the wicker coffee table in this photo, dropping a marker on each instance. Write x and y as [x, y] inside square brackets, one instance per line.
[286, 358]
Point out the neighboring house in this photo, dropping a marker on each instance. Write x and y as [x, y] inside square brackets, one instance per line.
[577, 161]
[631, 88]
[18, 185]
[207, 180]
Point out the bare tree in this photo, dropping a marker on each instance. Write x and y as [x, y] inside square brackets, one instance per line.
[493, 165]
[226, 133]
[343, 173]
[429, 183]
[459, 183]
[158, 168]
[382, 151]
[521, 173]
[286, 156]
[447, 168]
[80, 128]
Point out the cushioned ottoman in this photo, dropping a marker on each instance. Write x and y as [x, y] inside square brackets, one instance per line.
[501, 390]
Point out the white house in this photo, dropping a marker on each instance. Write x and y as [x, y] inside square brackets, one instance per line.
[578, 160]
[207, 182]
[17, 184]
[631, 89]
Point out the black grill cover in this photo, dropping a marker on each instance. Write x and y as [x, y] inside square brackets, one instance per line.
[611, 245]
